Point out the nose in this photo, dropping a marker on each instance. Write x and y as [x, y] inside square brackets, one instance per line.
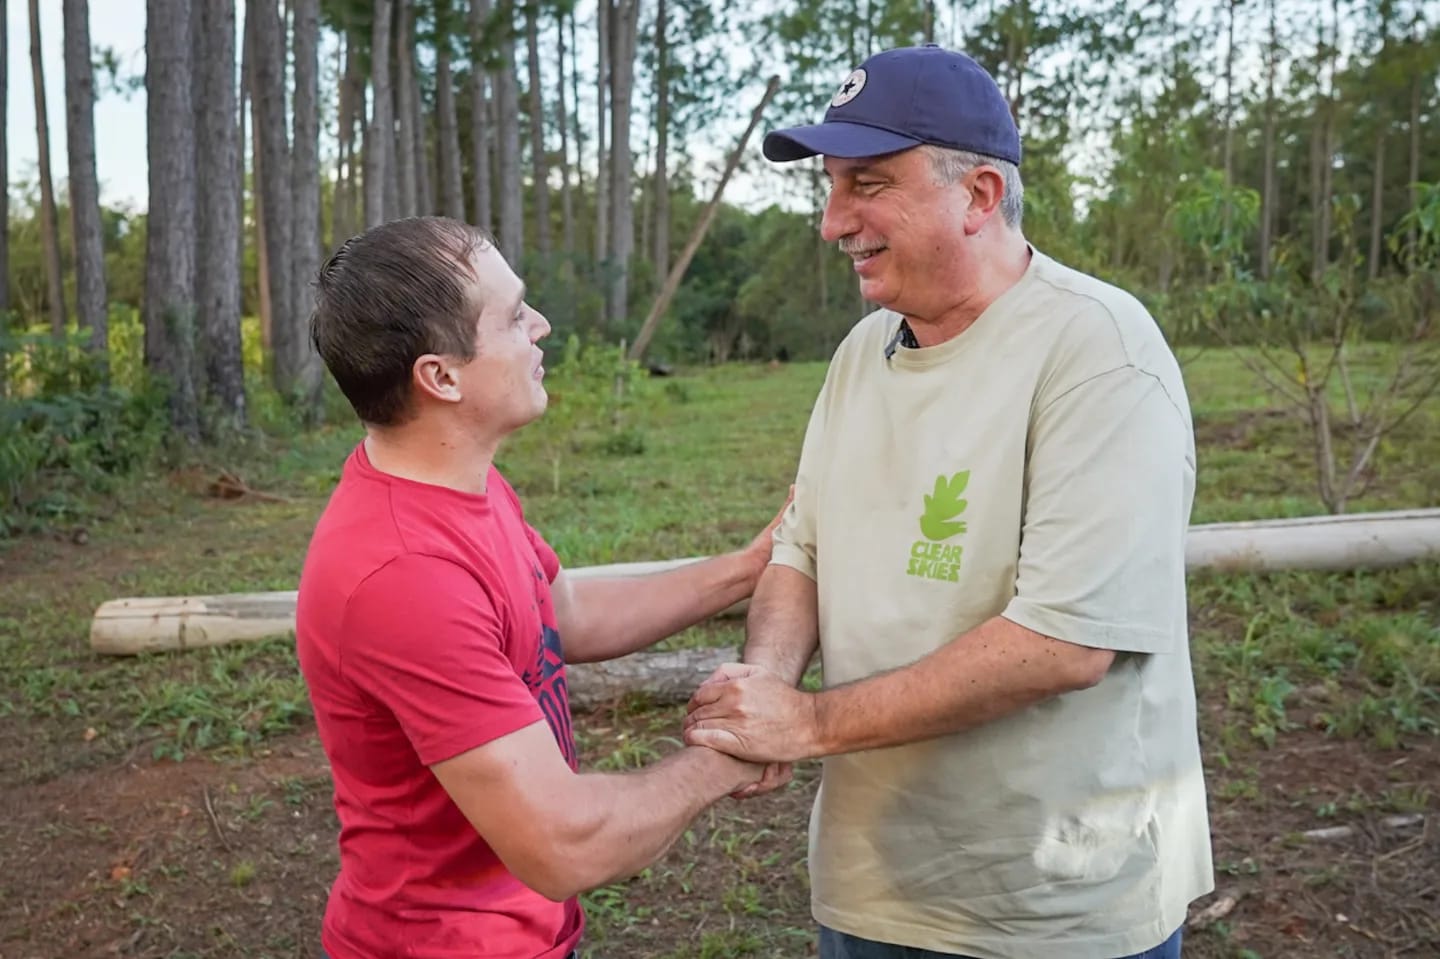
[838, 220]
[539, 326]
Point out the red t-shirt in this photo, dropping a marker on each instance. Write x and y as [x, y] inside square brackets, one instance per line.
[425, 628]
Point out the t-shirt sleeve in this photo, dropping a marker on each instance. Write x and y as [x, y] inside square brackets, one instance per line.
[423, 639]
[1110, 480]
[795, 537]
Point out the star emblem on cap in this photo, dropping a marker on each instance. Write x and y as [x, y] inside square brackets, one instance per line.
[850, 89]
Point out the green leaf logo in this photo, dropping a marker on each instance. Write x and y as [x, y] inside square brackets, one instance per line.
[942, 506]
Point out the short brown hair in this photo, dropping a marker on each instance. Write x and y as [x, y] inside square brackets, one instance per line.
[386, 298]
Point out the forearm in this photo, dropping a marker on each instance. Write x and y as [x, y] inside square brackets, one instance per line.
[994, 670]
[613, 616]
[631, 819]
[783, 627]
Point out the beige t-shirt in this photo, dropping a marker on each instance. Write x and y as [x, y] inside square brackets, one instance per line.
[1039, 466]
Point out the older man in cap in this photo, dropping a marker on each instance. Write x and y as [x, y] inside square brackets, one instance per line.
[987, 544]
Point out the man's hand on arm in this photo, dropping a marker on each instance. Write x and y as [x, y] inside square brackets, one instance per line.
[991, 671]
[562, 833]
[603, 618]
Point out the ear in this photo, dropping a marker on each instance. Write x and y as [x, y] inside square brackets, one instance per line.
[436, 377]
[987, 189]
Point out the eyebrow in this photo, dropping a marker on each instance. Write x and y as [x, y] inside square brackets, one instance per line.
[520, 299]
[858, 169]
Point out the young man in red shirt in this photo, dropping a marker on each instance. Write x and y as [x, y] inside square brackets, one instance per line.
[431, 620]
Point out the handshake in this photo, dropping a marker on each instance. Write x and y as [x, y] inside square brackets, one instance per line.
[748, 713]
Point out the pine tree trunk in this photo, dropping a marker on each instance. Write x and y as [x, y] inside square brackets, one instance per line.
[480, 138]
[567, 200]
[305, 368]
[218, 186]
[661, 237]
[424, 161]
[342, 219]
[1267, 190]
[626, 22]
[90, 307]
[4, 178]
[268, 59]
[452, 193]
[507, 108]
[1411, 236]
[1228, 149]
[539, 161]
[257, 195]
[404, 132]
[49, 220]
[379, 135]
[169, 312]
[603, 18]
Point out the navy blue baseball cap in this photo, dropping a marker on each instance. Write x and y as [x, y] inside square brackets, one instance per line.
[902, 98]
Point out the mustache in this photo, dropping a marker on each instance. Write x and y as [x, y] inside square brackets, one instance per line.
[851, 245]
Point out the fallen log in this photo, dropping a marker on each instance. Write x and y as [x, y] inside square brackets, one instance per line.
[665, 677]
[1359, 541]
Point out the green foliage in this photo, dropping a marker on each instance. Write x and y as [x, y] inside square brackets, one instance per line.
[594, 391]
[65, 431]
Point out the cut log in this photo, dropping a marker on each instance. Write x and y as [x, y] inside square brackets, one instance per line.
[1352, 541]
[668, 677]
[1359, 541]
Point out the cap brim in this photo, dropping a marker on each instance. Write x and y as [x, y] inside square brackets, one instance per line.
[836, 139]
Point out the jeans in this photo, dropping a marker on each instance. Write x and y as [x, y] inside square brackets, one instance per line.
[839, 945]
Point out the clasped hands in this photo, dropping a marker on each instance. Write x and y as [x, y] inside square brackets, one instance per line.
[748, 712]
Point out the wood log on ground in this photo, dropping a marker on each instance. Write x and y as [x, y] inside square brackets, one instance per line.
[1364, 540]
[666, 677]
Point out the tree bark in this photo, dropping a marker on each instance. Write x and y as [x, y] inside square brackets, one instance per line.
[602, 152]
[85, 229]
[169, 312]
[539, 162]
[1267, 190]
[1416, 85]
[562, 121]
[661, 234]
[268, 92]
[405, 114]
[480, 139]
[1228, 147]
[624, 26]
[304, 368]
[380, 134]
[452, 193]
[4, 177]
[49, 220]
[344, 222]
[507, 108]
[218, 189]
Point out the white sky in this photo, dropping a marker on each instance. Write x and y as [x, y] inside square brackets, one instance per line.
[119, 121]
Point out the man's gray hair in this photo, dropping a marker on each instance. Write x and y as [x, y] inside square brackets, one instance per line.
[950, 165]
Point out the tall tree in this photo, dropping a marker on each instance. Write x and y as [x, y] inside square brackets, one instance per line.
[297, 365]
[345, 218]
[661, 253]
[567, 200]
[624, 26]
[268, 93]
[1322, 142]
[452, 193]
[407, 116]
[602, 123]
[219, 188]
[1268, 198]
[507, 109]
[85, 227]
[4, 172]
[379, 135]
[49, 225]
[480, 131]
[1384, 13]
[539, 162]
[169, 312]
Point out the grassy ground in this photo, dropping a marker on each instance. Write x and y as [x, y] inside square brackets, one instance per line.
[177, 805]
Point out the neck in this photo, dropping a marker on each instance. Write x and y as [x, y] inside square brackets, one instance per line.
[1001, 268]
[438, 453]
